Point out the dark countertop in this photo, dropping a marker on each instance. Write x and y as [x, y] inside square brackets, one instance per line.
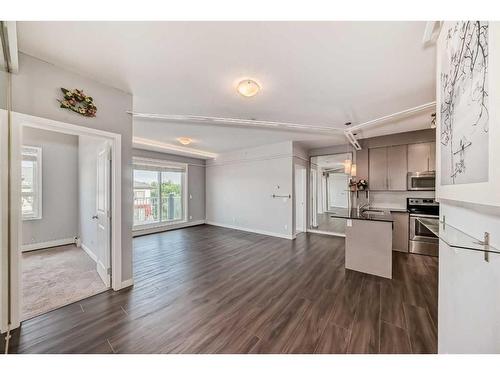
[352, 213]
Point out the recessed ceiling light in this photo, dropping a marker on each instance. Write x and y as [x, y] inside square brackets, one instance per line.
[248, 87]
[184, 140]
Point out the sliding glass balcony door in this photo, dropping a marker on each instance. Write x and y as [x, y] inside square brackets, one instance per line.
[159, 194]
[146, 197]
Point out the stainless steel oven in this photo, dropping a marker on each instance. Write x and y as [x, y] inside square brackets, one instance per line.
[421, 181]
[420, 239]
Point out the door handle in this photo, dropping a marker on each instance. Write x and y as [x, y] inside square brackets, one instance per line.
[95, 217]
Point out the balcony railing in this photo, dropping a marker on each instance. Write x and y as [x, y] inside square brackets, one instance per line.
[149, 210]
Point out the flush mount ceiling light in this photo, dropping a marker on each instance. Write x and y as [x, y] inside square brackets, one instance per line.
[248, 88]
[184, 140]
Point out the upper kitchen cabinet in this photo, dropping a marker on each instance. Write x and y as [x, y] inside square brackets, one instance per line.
[377, 169]
[422, 157]
[388, 168]
[397, 167]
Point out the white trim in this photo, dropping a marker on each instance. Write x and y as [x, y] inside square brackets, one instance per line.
[18, 121]
[266, 233]
[238, 122]
[89, 252]
[4, 199]
[149, 144]
[11, 33]
[335, 234]
[165, 227]
[127, 283]
[47, 244]
[394, 116]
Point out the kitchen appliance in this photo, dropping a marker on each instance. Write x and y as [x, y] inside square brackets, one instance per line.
[421, 240]
[421, 181]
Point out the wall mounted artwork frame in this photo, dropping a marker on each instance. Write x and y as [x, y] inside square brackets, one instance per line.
[468, 112]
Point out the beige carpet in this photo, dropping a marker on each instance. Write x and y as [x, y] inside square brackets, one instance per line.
[56, 277]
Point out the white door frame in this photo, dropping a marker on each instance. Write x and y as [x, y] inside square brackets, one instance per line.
[302, 171]
[18, 121]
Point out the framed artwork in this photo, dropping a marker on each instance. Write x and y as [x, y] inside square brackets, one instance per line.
[467, 101]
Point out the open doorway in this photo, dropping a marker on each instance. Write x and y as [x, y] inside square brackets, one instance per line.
[64, 185]
[329, 186]
[300, 198]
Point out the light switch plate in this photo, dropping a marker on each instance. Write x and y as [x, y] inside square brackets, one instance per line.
[349, 223]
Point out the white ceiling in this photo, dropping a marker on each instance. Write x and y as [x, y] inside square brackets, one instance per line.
[317, 73]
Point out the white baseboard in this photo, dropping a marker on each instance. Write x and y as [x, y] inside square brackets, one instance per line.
[44, 245]
[125, 284]
[166, 227]
[273, 234]
[89, 252]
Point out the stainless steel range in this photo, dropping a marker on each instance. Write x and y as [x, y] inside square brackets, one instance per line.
[422, 240]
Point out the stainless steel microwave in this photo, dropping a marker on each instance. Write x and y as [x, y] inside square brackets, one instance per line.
[421, 181]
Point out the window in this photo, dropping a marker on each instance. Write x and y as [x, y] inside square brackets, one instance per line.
[31, 183]
[159, 192]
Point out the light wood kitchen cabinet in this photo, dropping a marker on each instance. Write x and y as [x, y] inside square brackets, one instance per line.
[422, 157]
[377, 169]
[400, 231]
[397, 167]
[387, 168]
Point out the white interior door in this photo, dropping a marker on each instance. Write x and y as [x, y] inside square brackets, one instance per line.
[103, 214]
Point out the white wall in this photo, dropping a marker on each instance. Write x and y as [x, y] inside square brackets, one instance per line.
[239, 186]
[87, 175]
[59, 187]
[469, 287]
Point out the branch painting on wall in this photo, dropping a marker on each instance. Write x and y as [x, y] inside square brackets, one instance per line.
[76, 101]
[464, 103]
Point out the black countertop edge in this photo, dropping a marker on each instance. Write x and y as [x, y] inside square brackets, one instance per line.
[346, 213]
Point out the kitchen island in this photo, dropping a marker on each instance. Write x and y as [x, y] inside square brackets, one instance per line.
[368, 240]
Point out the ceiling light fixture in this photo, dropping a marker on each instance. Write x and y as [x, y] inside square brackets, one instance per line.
[248, 88]
[184, 140]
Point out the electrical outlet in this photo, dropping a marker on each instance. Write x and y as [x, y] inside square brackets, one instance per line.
[286, 227]
[190, 196]
[190, 217]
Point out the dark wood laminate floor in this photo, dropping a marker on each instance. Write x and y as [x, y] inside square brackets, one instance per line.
[206, 289]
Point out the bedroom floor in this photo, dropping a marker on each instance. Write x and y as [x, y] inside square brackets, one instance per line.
[55, 277]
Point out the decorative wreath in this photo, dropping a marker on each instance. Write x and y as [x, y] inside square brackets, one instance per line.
[76, 101]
